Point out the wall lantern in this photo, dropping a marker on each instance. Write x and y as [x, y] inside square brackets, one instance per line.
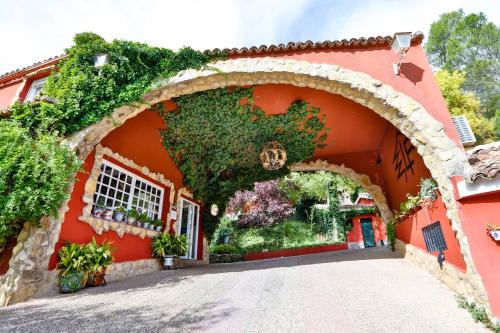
[273, 156]
[400, 45]
[214, 210]
[101, 60]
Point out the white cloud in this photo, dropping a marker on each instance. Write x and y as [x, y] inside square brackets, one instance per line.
[33, 30]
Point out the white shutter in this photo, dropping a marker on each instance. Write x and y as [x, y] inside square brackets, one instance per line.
[464, 131]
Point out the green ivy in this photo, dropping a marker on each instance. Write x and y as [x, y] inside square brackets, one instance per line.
[35, 170]
[215, 138]
[84, 94]
[35, 174]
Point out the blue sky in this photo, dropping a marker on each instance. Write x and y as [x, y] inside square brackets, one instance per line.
[32, 30]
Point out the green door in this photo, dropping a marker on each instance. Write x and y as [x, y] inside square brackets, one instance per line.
[367, 229]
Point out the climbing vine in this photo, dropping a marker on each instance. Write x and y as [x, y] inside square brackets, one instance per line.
[35, 169]
[215, 138]
[80, 94]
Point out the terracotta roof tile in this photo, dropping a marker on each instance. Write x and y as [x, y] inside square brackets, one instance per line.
[36, 64]
[292, 46]
[485, 161]
[310, 45]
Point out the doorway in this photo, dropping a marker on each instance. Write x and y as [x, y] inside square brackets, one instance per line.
[189, 220]
[367, 230]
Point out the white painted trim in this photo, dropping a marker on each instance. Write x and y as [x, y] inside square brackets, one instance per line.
[188, 231]
[35, 84]
[480, 186]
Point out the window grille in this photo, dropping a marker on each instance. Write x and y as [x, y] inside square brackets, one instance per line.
[35, 89]
[434, 238]
[117, 187]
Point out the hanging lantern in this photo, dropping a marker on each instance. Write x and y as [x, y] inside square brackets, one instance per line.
[273, 156]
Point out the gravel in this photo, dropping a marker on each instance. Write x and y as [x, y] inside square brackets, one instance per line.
[347, 291]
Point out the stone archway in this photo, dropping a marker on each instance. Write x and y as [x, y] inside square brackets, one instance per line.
[374, 190]
[440, 154]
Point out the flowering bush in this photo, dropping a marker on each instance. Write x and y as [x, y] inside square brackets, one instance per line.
[266, 205]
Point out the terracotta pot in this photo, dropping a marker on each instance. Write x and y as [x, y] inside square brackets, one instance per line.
[97, 278]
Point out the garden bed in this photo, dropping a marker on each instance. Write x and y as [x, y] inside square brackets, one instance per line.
[296, 251]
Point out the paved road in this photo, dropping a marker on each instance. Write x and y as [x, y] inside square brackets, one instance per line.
[357, 291]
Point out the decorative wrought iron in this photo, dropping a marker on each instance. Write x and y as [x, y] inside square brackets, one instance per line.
[273, 156]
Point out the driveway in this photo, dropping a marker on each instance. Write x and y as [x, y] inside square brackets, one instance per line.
[348, 291]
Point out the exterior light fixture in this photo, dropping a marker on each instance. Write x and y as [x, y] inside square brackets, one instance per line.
[273, 156]
[400, 45]
[214, 210]
[101, 60]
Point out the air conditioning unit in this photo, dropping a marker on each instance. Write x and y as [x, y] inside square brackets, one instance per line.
[464, 131]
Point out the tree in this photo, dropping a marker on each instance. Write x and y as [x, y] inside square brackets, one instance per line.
[266, 205]
[469, 43]
[460, 102]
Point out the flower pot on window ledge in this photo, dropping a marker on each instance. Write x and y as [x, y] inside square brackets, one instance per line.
[146, 225]
[158, 228]
[108, 214]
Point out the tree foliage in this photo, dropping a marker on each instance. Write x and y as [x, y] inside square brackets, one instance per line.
[469, 43]
[35, 174]
[460, 102]
[266, 205]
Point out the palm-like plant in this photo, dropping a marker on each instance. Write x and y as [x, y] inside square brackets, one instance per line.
[169, 245]
[99, 256]
[73, 259]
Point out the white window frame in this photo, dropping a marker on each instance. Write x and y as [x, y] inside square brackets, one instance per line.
[189, 231]
[135, 178]
[32, 92]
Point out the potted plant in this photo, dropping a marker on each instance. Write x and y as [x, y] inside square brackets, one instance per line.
[142, 220]
[428, 189]
[98, 210]
[119, 214]
[157, 224]
[494, 231]
[132, 216]
[108, 214]
[167, 247]
[74, 264]
[100, 258]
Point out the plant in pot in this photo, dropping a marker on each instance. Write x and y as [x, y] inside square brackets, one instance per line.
[99, 257]
[428, 189]
[98, 210]
[74, 264]
[142, 220]
[167, 247]
[132, 214]
[157, 224]
[119, 214]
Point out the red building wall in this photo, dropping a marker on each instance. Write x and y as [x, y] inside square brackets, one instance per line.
[410, 232]
[475, 213]
[139, 140]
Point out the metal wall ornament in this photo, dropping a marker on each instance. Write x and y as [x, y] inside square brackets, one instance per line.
[273, 156]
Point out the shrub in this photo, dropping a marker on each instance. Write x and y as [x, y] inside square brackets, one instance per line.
[391, 234]
[266, 205]
[225, 228]
[99, 256]
[225, 249]
[35, 174]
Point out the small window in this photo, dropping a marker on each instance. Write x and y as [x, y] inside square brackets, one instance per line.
[117, 187]
[35, 89]
[434, 238]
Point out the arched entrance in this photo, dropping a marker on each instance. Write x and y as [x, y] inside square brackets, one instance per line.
[440, 154]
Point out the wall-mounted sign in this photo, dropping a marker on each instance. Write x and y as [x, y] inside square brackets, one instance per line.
[173, 214]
